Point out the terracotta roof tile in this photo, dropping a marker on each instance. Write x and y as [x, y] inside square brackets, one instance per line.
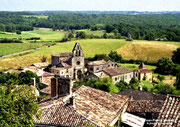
[142, 95]
[117, 71]
[91, 105]
[170, 112]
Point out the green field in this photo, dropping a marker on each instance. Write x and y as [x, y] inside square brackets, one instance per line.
[90, 47]
[10, 48]
[135, 66]
[44, 33]
[97, 32]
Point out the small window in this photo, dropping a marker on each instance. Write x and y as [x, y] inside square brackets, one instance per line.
[91, 69]
[61, 72]
[57, 72]
[78, 63]
[66, 70]
[115, 79]
[108, 65]
[97, 69]
[126, 77]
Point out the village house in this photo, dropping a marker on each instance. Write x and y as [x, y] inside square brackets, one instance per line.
[143, 73]
[77, 107]
[100, 65]
[118, 74]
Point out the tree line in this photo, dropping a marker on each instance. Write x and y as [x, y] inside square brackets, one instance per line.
[146, 27]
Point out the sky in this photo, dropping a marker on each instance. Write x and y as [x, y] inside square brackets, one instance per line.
[90, 5]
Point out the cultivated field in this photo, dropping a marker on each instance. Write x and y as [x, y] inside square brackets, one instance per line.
[148, 50]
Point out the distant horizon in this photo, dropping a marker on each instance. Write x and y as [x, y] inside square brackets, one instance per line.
[87, 11]
[93, 5]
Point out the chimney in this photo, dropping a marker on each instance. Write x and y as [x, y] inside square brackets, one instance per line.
[61, 86]
[72, 101]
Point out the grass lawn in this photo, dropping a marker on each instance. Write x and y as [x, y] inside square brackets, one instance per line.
[89, 32]
[10, 48]
[147, 84]
[135, 66]
[90, 47]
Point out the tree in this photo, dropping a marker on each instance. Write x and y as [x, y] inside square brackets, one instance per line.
[165, 66]
[161, 77]
[18, 105]
[18, 32]
[176, 56]
[70, 36]
[115, 56]
[177, 84]
[105, 35]
[115, 31]
[81, 35]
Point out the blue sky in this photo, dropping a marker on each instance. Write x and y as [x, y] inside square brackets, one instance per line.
[85, 5]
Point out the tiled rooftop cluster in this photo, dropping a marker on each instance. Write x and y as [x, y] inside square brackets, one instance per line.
[170, 112]
[91, 105]
[145, 106]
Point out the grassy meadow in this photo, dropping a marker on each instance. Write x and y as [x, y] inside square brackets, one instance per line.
[148, 50]
[44, 33]
[10, 48]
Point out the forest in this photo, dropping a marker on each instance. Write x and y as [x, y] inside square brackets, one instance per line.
[140, 27]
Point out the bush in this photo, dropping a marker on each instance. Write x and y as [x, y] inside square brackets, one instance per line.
[5, 40]
[161, 77]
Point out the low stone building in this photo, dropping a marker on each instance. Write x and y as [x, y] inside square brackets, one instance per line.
[68, 64]
[100, 65]
[143, 73]
[77, 107]
[118, 74]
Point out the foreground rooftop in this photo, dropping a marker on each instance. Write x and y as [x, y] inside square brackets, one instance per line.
[91, 105]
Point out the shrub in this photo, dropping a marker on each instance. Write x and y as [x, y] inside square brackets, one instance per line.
[5, 40]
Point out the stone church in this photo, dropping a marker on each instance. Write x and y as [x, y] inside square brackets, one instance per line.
[68, 64]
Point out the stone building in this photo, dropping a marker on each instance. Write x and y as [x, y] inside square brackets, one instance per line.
[68, 64]
[100, 65]
[118, 74]
[143, 73]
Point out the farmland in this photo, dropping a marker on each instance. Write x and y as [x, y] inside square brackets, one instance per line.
[45, 34]
[148, 50]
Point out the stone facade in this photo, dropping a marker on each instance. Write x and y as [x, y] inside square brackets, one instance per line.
[118, 74]
[97, 66]
[68, 64]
